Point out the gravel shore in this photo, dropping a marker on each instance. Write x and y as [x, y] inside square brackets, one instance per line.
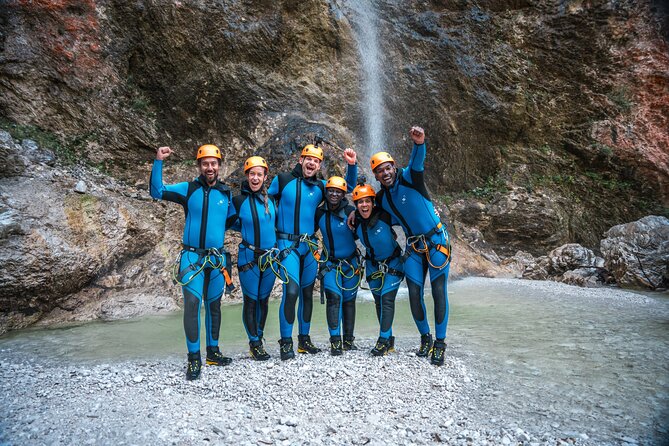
[353, 399]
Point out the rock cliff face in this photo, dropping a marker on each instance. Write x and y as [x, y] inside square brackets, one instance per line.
[546, 120]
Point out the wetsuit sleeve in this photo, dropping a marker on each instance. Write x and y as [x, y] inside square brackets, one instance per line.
[417, 160]
[170, 192]
[273, 189]
[232, 221]
[351, 177]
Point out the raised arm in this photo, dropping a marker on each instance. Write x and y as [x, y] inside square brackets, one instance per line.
[417, 160]
[351, 169]
[158, 190]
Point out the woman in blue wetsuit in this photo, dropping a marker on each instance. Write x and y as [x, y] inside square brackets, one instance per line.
[298, 193]
[255, 217]
[383, 257]
[341, 271]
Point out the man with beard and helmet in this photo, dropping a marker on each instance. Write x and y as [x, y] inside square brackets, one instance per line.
[206, 203]
[298, 193]
[404, 196]
[341, 270]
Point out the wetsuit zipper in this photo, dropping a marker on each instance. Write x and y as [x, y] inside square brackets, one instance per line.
[256, 221]
[399, 216]
[368, 245]
[298, 198]
[328, 230]
[205, 214]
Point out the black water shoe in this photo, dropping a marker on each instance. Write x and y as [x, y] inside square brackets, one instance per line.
[304, 345]
[349, 344]
[257, 351]
[425, 345]
[215, 357]
[194, 366]
[286, 349]
[336, 347]
[438, 352]
[381, 347]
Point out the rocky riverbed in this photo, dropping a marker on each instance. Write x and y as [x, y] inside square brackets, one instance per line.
[479, 397]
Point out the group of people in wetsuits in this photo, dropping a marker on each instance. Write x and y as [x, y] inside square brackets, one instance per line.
[278, 228]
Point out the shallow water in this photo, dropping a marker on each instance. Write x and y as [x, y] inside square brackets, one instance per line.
[543, 349]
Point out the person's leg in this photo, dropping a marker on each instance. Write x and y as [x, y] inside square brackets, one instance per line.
[214, 285]
[415, 268]
[306, 303]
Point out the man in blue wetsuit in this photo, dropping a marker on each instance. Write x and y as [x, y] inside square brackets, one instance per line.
[206, 203]
[404, 196]
[298, 193]
[341, 270]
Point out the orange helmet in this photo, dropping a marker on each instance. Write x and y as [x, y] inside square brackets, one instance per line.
[255, 161]
[337, 183]
[379, 158]
[362, 191]
[208, 150]
[312, 150]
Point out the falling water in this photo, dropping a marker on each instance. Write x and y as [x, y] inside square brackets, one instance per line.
[365, 21]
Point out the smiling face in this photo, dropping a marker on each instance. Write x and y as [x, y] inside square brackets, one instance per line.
[334, 196]
[385, 173]
[310, 166]
[256, 176]
[365, 206]
[209, 169]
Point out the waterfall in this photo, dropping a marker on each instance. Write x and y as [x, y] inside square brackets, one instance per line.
[365, 21]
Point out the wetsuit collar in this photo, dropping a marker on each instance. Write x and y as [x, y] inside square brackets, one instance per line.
[217, 185]
[339, 211]
[373, 218]
[246, 190]
[297, 173]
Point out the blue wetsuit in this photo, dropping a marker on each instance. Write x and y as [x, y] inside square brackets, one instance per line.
[408, 202]
[341, 273]
[297, 198]
[206, 209]
[382, 254]
[257, 226]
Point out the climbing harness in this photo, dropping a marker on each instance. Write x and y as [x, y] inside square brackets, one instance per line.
[340, 265]
[265, 258]
[309, 239]
[216, 258]
[383, 269]
[422, 244]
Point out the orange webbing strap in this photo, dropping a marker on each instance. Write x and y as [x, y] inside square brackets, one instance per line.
[228, 279]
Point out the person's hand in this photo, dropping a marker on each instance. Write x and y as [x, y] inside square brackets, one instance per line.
[163, 152]
[417, 135]
[350, 156]
[350, 221]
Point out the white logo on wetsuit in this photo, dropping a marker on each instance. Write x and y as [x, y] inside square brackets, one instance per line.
[404, 199]
[378, 230]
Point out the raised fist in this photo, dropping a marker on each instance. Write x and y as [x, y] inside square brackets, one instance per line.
[163, 152]
[417, 135]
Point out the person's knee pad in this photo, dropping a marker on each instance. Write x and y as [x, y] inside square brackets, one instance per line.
[307, 302]
[415, 299]
[191, 314]
[249, 315]
[332, 309]
[439, 296]
[292, 292]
